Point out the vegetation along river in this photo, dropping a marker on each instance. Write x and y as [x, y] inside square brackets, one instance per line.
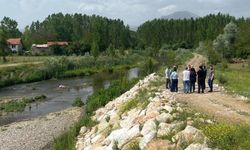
[59, 93]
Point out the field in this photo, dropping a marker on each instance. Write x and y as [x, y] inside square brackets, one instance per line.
[237, 78]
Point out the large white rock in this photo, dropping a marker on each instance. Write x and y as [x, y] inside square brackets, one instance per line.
[167, 108]
[148, 127]
[164, 117]
[188, 136]
[146, 139]
[83, 130]
[123, 135]
[80, 144]
[198, 146]
[164, 129]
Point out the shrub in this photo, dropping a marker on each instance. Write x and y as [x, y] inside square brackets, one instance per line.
[222, 79]
[77, 102]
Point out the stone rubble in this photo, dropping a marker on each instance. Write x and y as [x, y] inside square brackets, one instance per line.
[155, 127]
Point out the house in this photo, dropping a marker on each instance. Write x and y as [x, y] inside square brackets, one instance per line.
[63, 43]
[15, 44]
[46, 49]
[40, 49]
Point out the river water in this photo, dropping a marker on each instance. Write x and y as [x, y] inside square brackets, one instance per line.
[57, 98]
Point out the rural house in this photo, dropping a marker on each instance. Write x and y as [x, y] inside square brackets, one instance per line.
[46, 49]
[15, 44]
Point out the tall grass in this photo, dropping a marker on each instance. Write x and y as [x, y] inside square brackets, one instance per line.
[228, 137]
[235, 79]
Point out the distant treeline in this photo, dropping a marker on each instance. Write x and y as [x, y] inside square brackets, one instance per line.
[96, 34]
[188, 32]
[84, 32]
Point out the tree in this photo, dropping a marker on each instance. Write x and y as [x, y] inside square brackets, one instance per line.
[9, 27]
[111, 50]
[3, 45]
[95, 49]
[224, 43]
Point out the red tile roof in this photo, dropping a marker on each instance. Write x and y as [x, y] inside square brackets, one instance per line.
[63, 43]
[14, 41]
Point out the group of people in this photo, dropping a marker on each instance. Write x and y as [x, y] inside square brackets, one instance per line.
[190, 77]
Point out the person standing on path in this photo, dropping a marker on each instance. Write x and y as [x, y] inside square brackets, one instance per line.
[201, 79]
[192, 79]
[168, 73]
[211, 78]
[205, 72]
[174, 80]
[186, 80]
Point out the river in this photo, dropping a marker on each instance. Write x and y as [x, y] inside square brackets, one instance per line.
[57, 98]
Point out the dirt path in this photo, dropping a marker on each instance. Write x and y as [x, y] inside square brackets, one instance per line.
[19, 64]
[37, 133]
[218, 104]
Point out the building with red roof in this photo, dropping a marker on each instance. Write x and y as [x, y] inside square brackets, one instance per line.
[15, 44]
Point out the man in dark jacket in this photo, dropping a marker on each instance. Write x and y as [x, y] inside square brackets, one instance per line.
[201, 79]
[192, 79]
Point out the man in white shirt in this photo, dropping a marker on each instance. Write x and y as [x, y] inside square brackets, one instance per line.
[186, 80]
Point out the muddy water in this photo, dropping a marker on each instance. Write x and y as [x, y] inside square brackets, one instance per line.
[57, 98]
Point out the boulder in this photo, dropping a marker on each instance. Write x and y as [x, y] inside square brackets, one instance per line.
[148, 127]
[169, 109]
[164, 129]
[146, 139]
[164, 117]
[198, 146]
[188, 136]
[123, 135]
[157, 144]
[83, 130]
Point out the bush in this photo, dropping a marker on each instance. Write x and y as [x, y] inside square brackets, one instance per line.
[222, 79]
[77, 102]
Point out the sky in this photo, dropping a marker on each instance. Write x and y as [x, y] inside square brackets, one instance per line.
[132, 12]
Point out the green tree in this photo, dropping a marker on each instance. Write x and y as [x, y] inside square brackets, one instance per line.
[95, 49]
[3, 45]
[111, 50]
[9, 27]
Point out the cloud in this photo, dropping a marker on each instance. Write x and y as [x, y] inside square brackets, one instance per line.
[87, 7]
[167, 9]
[133, 12]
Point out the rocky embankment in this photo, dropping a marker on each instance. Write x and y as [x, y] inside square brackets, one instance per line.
[161, 124]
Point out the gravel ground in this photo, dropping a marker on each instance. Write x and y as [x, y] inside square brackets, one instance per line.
[37, 133]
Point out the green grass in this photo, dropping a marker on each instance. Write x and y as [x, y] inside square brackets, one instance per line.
[237, 78]
[19, 105]
[228, 137]
[77, 102]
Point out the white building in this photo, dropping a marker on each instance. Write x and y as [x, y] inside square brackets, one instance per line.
[15, 44]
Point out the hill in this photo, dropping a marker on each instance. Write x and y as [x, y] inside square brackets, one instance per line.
[181, 15]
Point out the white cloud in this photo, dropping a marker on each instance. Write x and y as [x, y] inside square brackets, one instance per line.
[133, 12]
[88, 7]
[167, 9]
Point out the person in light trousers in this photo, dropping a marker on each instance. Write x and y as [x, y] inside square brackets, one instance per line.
[186, 80]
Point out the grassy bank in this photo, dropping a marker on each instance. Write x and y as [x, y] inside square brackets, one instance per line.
[235, 78]
[98, 99]
[19, 104]
[61, 67]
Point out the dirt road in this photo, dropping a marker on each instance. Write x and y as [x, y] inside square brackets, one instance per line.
[218, 104]
[20, 64]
